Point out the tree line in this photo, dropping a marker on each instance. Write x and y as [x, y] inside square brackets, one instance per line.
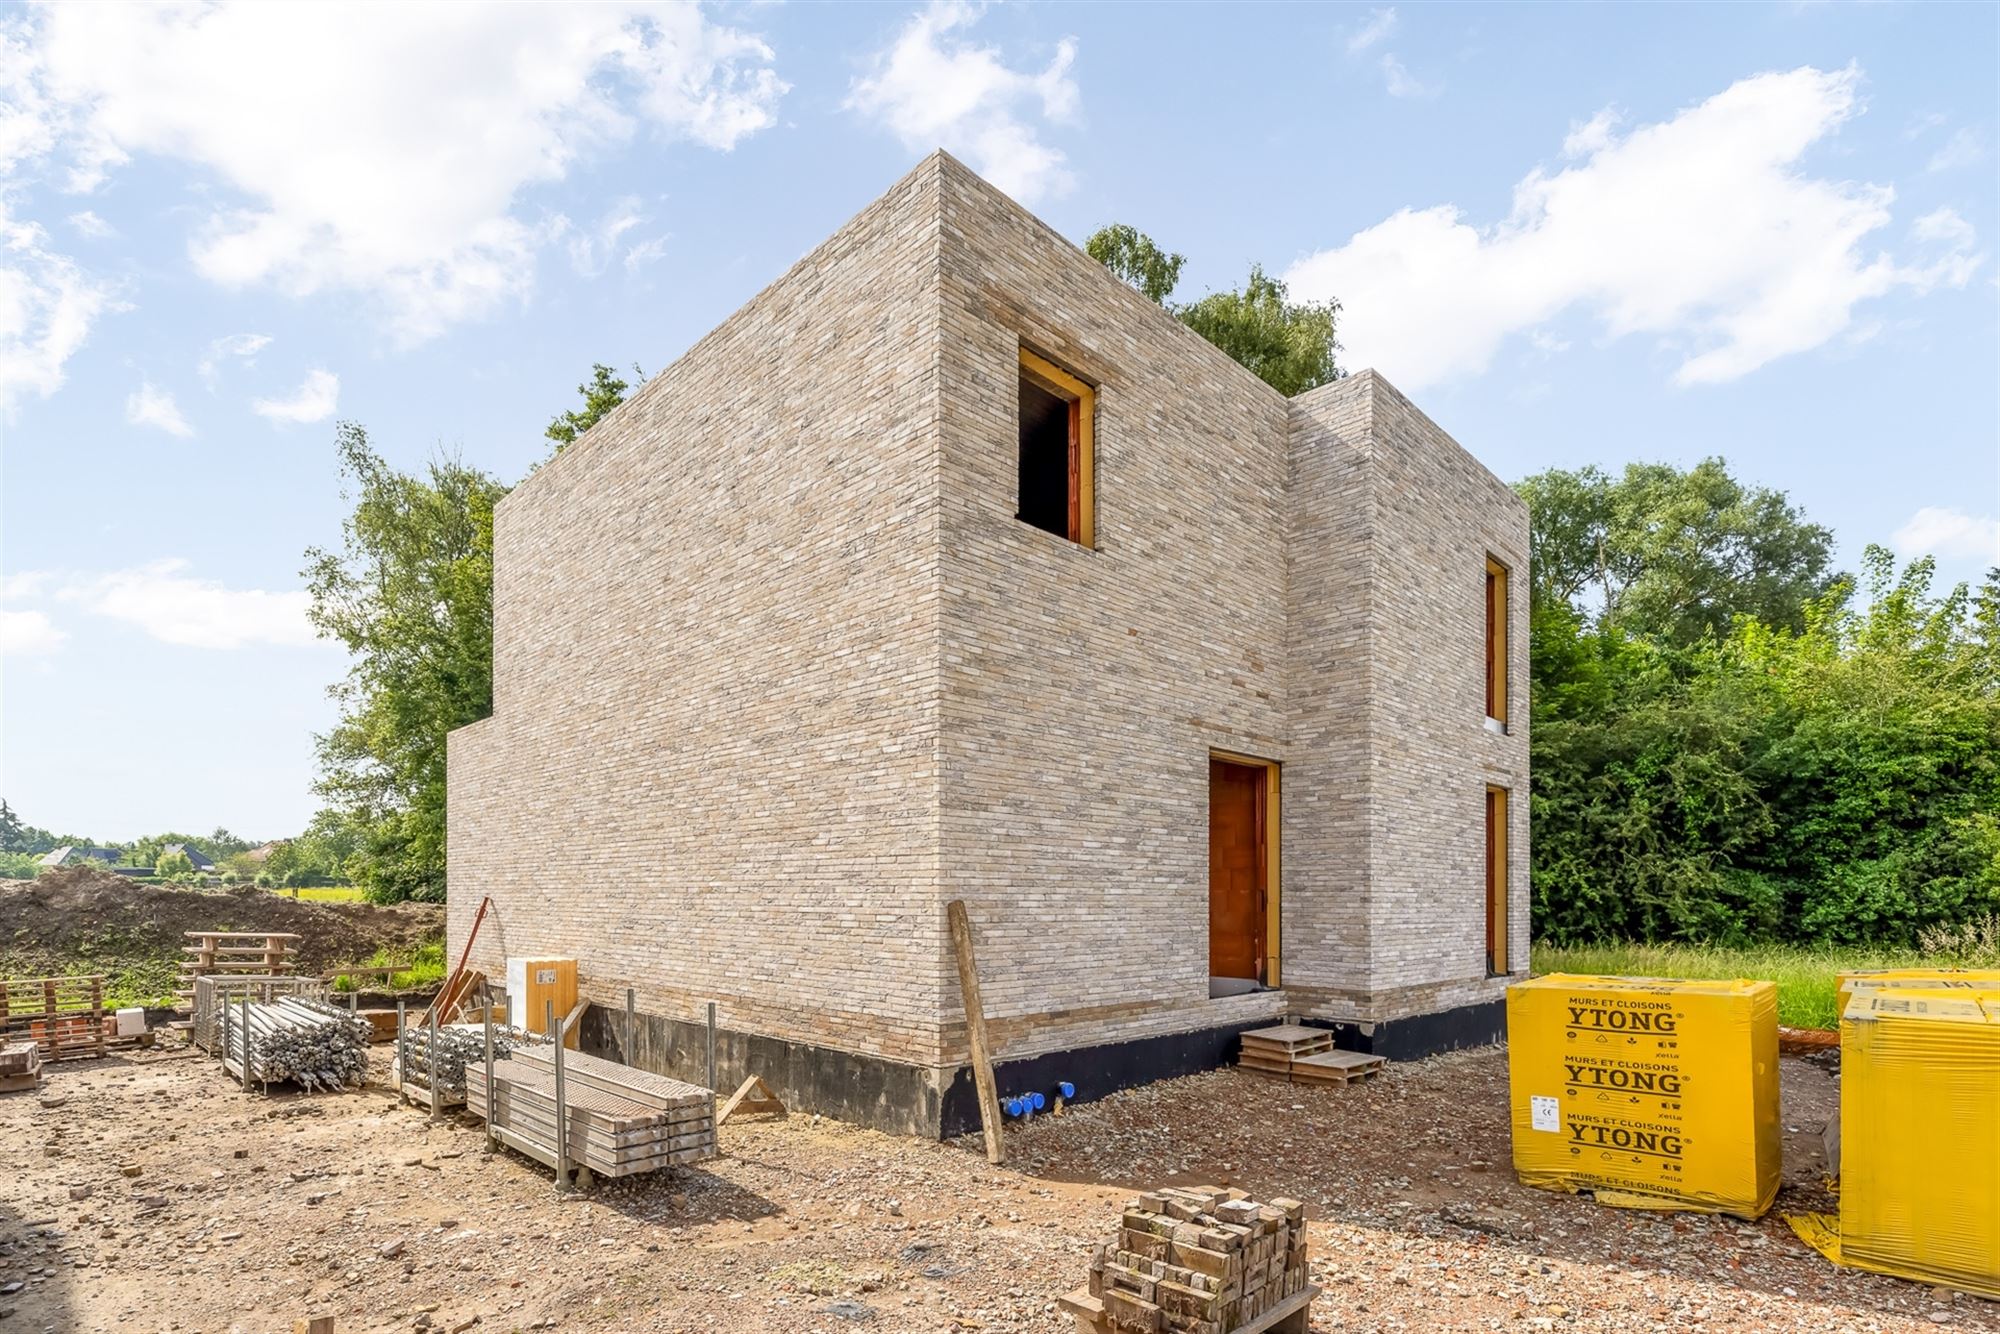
[1730, 739]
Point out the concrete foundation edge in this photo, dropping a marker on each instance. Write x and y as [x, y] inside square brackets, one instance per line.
[919, 1100]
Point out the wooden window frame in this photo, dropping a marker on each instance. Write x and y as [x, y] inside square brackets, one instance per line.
[1498, 641]
[1082, 400]
[1274, 837]
[1498, 803]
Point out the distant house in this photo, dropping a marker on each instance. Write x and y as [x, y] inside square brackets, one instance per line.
[262, 852]
[76, 855]
[196, 856]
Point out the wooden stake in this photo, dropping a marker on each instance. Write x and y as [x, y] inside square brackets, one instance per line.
[319, 1324]
[975, 1030]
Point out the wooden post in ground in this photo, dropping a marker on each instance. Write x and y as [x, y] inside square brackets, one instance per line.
[631, 1036]
[975, 1030]
[319, 1324]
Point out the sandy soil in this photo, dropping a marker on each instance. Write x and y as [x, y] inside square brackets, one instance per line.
[148, 1193]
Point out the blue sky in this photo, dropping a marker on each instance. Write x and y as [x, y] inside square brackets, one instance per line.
[1574, 234]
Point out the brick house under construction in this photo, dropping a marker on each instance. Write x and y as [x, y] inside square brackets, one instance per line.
[950, 567]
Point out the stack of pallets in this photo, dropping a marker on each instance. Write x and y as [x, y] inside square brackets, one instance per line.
[1199, 1260]
[208, 953]
[64, 1016]
[617, 1121]
[1305, 1056]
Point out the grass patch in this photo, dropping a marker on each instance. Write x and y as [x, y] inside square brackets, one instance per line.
[424, 967]
[324, 894]
[1807, 977]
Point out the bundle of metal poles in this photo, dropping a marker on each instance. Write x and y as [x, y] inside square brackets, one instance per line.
[295, 1038]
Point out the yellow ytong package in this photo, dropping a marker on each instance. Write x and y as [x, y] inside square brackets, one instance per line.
[1920, 1136]
[1648, 1093]
[1925, 979]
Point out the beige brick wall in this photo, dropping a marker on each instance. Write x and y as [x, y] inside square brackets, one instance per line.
[778, 672]
[1083, 689]
[1407, 518]
[711, 770]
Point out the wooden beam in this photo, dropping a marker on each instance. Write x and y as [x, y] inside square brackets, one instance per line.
[975, 1029]
[752, 1095]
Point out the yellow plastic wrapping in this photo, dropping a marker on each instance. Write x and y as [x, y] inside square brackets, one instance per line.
[1920, 1136]
[1649, 1093]
[1926, 979]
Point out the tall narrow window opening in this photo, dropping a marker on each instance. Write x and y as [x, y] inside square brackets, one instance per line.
[1496, 641]
[1496, 881]
[1057, 420]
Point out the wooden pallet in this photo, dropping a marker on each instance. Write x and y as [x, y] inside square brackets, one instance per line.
[212, 953]
[1337, 1067]
[1285, 1042]
[1293, 1315]
[64, 1016]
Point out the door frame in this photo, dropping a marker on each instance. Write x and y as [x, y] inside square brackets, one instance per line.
[1268, 971]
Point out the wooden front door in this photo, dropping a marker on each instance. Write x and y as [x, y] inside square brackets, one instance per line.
[1236, 812]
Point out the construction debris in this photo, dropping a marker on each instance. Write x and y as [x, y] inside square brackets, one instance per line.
[617, 1121]
[294, 1038]
[20, 1066]
[1199, 1260]
[1305, 1056]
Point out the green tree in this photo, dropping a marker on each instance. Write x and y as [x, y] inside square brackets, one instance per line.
[1135, 257]
[1289, 345]
[603, 391]
[410, 596]
[1673, 554]
[13, 834]
[173, 864]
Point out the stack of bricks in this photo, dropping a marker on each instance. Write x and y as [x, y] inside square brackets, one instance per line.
[1199, 1260]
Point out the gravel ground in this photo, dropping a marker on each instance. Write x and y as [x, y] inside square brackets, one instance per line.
[247, 1212]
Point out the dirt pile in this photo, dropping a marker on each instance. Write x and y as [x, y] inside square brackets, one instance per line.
[86, 919]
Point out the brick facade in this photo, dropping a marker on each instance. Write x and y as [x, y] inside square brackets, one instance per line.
[778, 673]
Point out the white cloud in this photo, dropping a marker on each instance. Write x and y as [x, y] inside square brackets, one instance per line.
[47, 305]
[388, 156]
[89, 224]
[242, 347]
[1701, 230]
[1401, 83]
[648, 251]
[28, 634]
[936, 89]
[1381, 22]
[314, 400]
[1949, 534]
[153, 406]
[1961, 150]
[591, 251]
[175, 607]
